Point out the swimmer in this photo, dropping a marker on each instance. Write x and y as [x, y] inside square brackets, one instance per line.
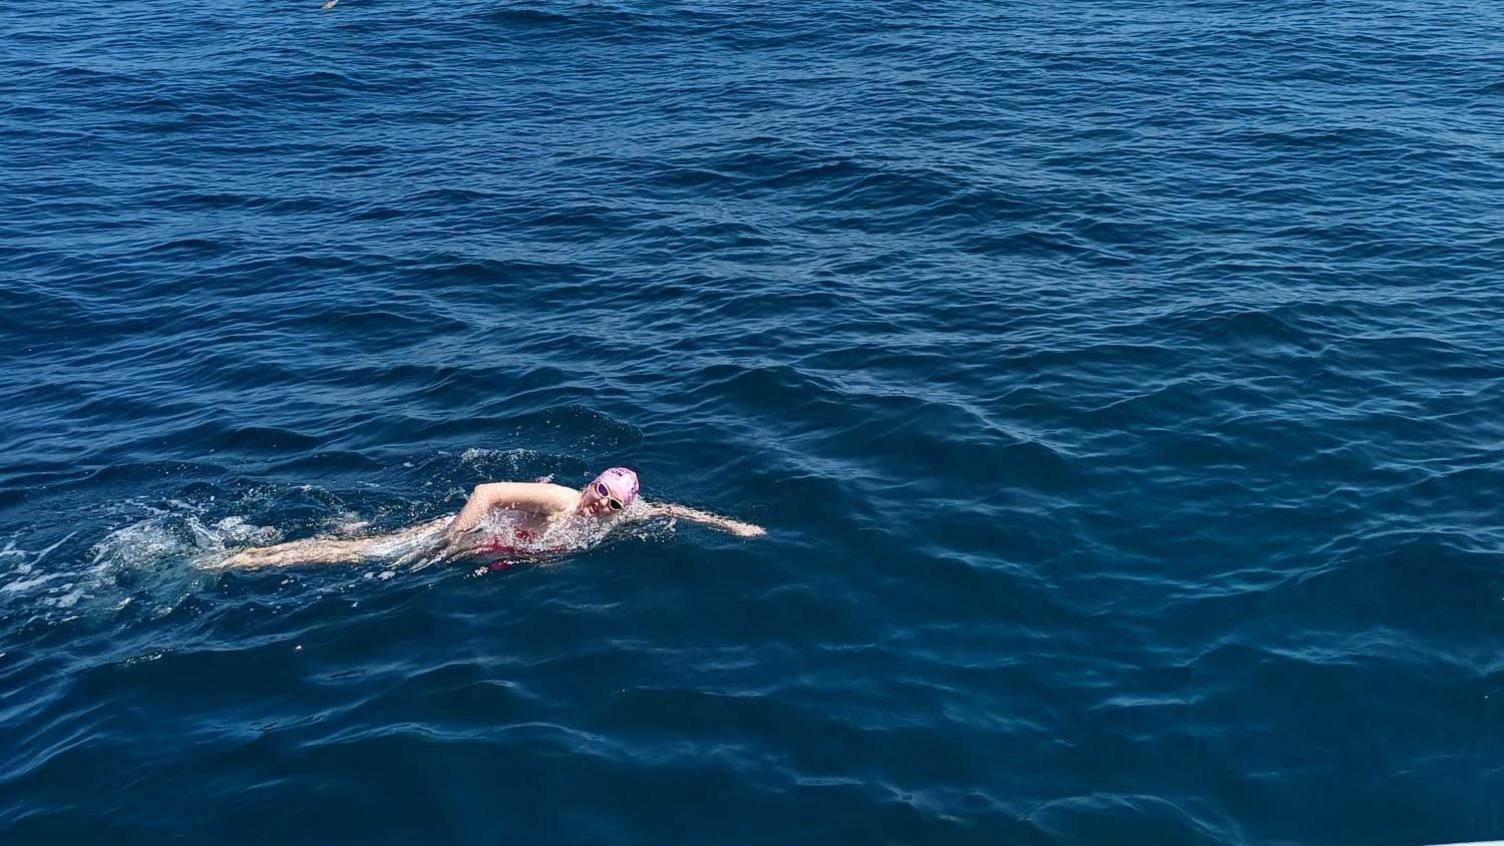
[544, 516]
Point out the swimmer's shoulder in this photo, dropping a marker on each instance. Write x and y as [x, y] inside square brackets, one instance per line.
[537, 497]
[561, 500]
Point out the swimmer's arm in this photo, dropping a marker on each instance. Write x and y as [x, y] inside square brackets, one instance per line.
[533, 497]
[684, 512]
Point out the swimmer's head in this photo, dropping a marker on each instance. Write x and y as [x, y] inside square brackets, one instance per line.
[610, 492]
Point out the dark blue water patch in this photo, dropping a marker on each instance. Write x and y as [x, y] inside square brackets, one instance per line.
[1115, 382]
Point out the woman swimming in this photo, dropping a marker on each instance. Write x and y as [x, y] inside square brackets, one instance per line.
[541, 517]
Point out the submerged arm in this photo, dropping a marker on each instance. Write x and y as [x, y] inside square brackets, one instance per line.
[735, 527]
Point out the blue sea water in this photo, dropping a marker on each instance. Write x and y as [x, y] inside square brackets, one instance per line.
[1118, 380]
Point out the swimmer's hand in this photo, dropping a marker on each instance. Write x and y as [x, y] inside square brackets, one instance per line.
[744, 530]
[725, 524]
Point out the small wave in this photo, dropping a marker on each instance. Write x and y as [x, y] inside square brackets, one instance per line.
[1109, 817]
[521, 16]
[199, 247]
[596, 21]
[489, 458]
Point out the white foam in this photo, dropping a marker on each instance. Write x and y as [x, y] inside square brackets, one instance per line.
[347, 523]
[510, 456]
[22, 585]
[146, 559]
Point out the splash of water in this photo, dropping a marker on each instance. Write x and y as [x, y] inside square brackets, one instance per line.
[145, 563]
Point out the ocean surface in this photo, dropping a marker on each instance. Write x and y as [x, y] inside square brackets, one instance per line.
[1119, 382]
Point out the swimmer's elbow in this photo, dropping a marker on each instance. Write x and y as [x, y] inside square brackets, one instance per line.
[493, 494]
[525, 496]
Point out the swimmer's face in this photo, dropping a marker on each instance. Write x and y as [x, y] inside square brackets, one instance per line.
[598, 501]
[609, 494]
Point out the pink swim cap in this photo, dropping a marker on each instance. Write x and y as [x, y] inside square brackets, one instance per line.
[622, 483]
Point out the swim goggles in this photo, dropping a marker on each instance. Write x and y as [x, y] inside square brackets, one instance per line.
[602, 490]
